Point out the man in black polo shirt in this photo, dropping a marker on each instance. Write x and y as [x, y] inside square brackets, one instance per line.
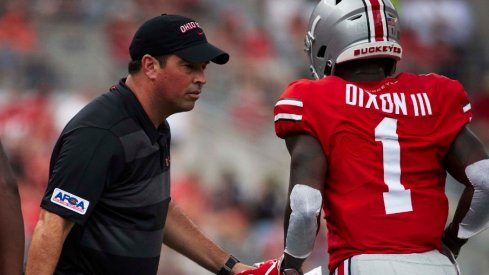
[108, 203]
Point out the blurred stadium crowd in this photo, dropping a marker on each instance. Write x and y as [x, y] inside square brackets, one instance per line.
[229, 171]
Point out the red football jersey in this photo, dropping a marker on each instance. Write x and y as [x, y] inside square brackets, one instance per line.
[385, 143]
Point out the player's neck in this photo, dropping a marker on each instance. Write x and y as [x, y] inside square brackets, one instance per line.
[364, 77]
[365, 74]
[369, 70]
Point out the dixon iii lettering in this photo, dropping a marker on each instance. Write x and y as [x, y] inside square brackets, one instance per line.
[399, 103]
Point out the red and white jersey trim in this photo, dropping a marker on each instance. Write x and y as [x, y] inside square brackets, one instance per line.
[293, 102]
[288, 117]
[285, 112]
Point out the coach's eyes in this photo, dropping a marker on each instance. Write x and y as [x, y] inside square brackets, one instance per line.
[195, 66]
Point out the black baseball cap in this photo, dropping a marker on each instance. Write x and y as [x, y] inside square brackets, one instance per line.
[175, 34]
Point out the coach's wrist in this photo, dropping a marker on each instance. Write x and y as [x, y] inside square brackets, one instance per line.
[228, 266]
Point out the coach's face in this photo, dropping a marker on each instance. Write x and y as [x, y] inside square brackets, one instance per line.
[178, 84]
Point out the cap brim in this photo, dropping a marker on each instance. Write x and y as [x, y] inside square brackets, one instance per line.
[203, 53]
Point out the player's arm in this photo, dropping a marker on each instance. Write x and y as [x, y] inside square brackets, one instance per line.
[307, 176]
[47, 241]
[182, 235]
[11, 223]
[468, 162]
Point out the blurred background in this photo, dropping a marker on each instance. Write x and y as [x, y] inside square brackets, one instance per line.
[229, 170]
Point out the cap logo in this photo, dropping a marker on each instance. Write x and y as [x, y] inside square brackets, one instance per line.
[189, 26]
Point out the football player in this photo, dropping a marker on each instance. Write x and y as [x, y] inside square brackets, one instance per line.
[11, 222]
[372, 150]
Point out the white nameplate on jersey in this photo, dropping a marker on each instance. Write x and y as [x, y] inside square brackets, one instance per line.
[70, 201]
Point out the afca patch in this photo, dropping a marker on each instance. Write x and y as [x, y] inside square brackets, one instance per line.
[70, 201]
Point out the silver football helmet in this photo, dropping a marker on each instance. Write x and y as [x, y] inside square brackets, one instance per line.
[344, 30]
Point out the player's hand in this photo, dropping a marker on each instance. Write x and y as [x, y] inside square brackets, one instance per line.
[270, 267]
[451, 242]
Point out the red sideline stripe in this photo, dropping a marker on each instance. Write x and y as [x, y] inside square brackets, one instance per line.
[378, 24]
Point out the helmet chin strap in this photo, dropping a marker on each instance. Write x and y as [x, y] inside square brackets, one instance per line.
[328, 69]
[308, 41]
[307, 49]
[313, 72]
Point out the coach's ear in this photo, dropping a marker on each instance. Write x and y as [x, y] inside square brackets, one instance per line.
[149, 66]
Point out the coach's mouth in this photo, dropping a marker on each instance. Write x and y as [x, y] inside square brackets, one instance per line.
[194, 95]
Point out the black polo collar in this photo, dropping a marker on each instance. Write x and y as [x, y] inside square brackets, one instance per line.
[136, 109]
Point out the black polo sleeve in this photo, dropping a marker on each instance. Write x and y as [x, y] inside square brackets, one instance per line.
[84, 162]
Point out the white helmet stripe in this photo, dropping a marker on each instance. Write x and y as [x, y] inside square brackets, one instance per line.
[376, 20]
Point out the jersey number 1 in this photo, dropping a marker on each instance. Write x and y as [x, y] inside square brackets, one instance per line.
[398, 198]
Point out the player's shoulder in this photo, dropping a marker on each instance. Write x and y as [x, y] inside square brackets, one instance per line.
[311, 86]
[430, 79]
[441, 89]
[329, 80]
[299, 84]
